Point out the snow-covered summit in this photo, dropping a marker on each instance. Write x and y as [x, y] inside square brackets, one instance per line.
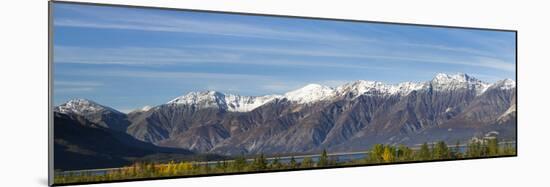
[405, 88]
[505, 84]
[205, 98]
[238, 103]
[82, 107]
[445, 82]
[310, 93]
[230, 102]
[363, 87]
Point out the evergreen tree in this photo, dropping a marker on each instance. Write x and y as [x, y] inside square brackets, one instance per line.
[404, 153]
[239, 164]
[323, 160]
[424, 152]
[307, 162]
[441, 151]
[293, 163]
[260, 163]
[276, 164]
[475, 149]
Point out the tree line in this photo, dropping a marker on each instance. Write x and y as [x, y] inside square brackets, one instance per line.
[438, 151]
[379, 153]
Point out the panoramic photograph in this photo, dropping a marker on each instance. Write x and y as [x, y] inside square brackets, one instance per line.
[147, 93]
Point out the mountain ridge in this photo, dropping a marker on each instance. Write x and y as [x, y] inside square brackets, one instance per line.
[351, 116]
[311, 93]
[302, 95]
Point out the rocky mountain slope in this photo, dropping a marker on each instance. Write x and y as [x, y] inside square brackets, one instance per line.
[350, 117]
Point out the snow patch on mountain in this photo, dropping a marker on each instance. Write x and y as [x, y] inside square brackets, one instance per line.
[146, 108]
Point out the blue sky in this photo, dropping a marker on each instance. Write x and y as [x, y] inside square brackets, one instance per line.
[127, 58]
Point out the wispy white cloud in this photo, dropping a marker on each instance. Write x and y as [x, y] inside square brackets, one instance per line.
[75, 86]
[77, 83]
[494, 64]
[194, 55]
[252, 56]
[401, 56]
[335, 44]
[135, 56]
[166, 74]
[74, 89]
[501, 44]
[242, 54]
[173, 24]
[462, 50]
[150, 22]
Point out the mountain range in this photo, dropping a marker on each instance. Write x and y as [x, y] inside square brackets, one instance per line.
[350, 117]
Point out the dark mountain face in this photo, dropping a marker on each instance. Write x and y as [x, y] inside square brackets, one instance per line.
[95, 113]
[81, 144]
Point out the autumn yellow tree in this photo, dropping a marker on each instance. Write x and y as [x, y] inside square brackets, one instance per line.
[168, 169]
[387, 156]
[184, 168]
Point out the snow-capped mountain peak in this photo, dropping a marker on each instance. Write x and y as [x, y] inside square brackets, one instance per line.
[505, 84]
[447, 78]
[405, 88]
[82, 107]
[206, 98]
[446, 82]
[363, 87]
[230, 102]
[238, 103]
[310, 93]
